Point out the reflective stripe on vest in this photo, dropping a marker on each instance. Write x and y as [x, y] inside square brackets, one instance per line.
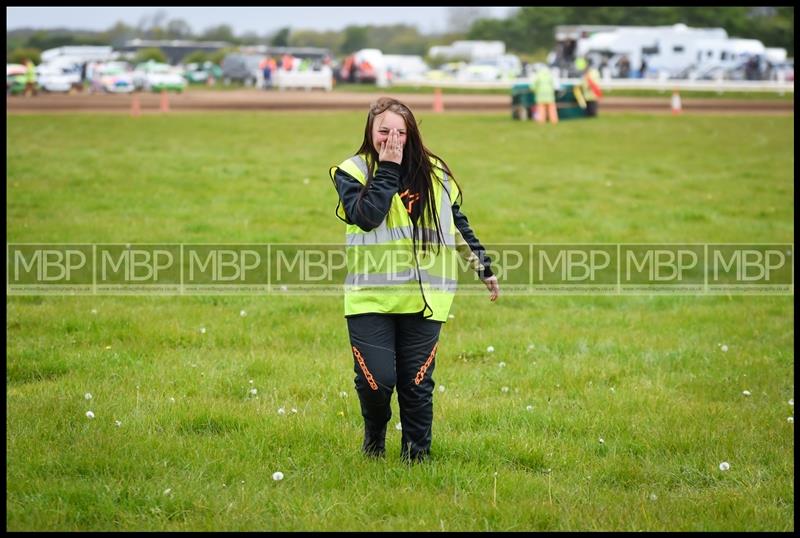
[401, 278]
[373, 284]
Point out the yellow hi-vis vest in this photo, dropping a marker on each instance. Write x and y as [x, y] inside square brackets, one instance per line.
[383, 273]
[588, 93]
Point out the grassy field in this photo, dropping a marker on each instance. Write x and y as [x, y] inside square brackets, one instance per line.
[178, 441]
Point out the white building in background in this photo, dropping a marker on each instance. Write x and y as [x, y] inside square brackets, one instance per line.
[78, 54]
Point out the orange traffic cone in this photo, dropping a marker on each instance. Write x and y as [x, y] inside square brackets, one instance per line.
[438, 105]
[136, 107]
[164, 101]
[676, 102]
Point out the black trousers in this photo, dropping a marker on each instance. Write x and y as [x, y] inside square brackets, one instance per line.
[396, 350]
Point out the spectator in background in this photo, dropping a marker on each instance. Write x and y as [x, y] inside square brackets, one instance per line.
[545, 92]
[580, 64]
[605, 71]
[272, 65]
[30, 78]
[643, 68]
[266, 70]
[590, 87]
[287, 62]
[84, 80]
[624, 67]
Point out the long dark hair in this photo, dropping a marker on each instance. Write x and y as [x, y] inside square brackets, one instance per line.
[417, 166]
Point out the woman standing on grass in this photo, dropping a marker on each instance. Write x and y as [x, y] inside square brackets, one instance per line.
[400, 204]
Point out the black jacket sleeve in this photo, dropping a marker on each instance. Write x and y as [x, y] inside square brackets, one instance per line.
[474, 244]
[366, 207]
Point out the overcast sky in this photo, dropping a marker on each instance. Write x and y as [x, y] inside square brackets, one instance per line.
[261, 20]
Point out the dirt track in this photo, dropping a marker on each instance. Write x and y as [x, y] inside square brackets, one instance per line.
[253, 100]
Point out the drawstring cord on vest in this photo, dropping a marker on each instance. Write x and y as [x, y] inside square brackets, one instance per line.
[419, 274]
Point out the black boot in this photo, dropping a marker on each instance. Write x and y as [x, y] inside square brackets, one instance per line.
[410, 455]
[374, 441]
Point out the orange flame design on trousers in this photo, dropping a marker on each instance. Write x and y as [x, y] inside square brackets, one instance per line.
[421, 374]
[360, 358]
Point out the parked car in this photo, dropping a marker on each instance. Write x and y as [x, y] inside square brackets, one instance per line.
[155, 76]
[15, 79]
[58, 77]
[244, 68]
[198, 73]
[114, 77]
[505, 67]
[447, 71]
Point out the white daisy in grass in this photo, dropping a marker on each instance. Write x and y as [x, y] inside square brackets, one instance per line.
[281, 411]
[613, 390]
[108, 347]
[306, 181]
[501, 364]
[171, 399]
[790, 420]
[791, 402]
[202, 330]
[294, 410]
[168, 491]
[250, 381]
[602, 441]
[451, 316]
[531, 347]
[490, 349]
[253, 391]
[529, 408]
[117, 423]
[277, 475]
[88, 395]
[724, 466]
[343, 394]
[724, 348]
[398, 426]
[89, 414]
[94, 311]
[746, 393]
[653, 497]
[243, 313]
[441, 388]
[504, 389]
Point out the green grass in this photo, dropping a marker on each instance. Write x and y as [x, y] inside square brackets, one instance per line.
[675, 412]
